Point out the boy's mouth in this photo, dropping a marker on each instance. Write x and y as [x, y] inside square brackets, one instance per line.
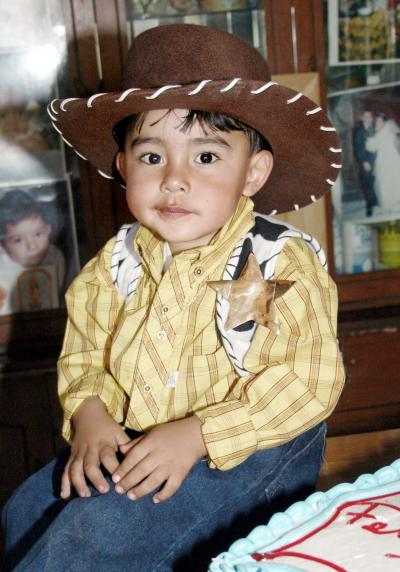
[173, 212]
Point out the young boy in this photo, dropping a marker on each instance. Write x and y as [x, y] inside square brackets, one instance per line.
[183, 430]
[25, 237]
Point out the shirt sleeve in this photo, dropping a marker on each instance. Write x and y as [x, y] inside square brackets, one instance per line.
[296, 375]
[93, 305]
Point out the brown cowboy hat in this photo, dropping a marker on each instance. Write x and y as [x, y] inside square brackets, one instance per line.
[194, 67]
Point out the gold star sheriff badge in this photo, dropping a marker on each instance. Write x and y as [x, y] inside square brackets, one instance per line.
[251, 297]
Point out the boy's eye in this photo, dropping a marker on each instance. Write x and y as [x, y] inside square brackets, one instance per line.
[151, 158]
[206, 158]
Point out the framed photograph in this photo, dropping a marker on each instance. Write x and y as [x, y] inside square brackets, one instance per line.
[366, 198]
[161, 8]
[30, 149]
[38, 247]
[363, 31]
[243, 18]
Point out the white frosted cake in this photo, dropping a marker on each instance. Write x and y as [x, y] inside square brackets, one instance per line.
[350, 528]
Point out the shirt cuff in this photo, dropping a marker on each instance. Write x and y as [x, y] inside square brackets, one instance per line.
[228, 434]
[100, 385]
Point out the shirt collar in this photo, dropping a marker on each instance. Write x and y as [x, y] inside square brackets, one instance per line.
[156, 255]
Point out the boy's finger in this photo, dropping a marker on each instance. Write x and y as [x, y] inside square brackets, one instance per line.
[65, 492]
[133, 457]
[147, 486]
[109, 459]
[128, 446]
[137, 474]
[168, 490]
[91, 468]
[77, 478]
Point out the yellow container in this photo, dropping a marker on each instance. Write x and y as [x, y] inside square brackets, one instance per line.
[389, 246]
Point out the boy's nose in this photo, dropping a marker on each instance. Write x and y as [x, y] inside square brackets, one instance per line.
[31, 244]
[175, 181]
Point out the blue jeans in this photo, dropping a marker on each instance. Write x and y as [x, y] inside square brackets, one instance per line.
[110, 533]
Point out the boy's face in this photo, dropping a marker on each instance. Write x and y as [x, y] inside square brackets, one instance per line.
[28, 240]
[184, 186]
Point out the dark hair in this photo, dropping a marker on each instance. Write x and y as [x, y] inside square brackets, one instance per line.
[210, 119]
[17, 205]
[381, 115]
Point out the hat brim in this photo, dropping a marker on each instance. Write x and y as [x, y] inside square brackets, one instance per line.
[305, 145]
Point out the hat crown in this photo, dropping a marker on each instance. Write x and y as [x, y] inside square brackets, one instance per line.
[188, 53]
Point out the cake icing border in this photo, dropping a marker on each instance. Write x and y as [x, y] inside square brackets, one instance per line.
[300, 519]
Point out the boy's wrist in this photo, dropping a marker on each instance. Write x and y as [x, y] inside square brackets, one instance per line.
[90, 407]
[194, 427]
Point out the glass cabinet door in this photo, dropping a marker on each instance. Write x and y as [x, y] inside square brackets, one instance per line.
[244, 18]
[38, 176]
[363, 89]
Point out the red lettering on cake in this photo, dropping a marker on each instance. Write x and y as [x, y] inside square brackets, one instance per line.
[364, 514]
[377, 527]
[278, 554]
[374, 515]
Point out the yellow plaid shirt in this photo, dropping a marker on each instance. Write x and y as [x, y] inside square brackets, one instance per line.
[158, 357]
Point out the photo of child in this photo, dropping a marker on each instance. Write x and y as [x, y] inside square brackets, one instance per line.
[33, 273]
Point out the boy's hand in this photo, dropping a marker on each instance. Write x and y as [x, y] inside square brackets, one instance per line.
[165, 455]
[96, 440]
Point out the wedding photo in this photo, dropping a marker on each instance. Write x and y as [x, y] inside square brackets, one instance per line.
[366, 199]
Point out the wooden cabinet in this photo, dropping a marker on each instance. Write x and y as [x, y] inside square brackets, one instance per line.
[371, 397]
[30, 420]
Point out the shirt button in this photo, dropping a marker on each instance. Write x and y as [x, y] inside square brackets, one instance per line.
[147, 388]
[165, 309]
[198, 271]
[161, 335]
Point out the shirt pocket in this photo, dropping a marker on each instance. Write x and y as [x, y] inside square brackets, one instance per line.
[208, 375]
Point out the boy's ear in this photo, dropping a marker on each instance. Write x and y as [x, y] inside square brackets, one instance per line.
[260, 168]
[120, 163]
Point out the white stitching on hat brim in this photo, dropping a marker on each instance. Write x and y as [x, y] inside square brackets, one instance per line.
[65, 101]
[161, 90]
[52, 108]
[263, 87]
[123, 96]
[199, 87]
[49, 112]
[92, 98]
[230, 85]
[294, 98]
[313, 111]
